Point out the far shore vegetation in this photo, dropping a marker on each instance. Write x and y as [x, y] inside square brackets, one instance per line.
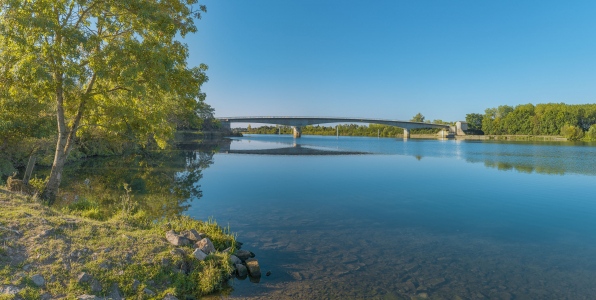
[574, 122]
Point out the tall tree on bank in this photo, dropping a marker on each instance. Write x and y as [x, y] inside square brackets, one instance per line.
[110, 64]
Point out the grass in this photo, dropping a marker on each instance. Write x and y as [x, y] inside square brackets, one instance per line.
[131, 246]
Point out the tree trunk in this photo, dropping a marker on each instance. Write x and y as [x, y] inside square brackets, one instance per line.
[51, 190]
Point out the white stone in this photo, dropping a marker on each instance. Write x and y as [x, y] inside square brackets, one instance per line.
[200, 255]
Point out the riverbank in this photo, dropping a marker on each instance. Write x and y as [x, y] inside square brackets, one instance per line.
[546, 138]
[52, 253]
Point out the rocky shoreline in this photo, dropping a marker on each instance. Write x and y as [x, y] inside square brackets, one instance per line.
[48, 254]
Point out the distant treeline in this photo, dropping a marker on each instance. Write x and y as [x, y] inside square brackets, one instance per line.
[572, 121]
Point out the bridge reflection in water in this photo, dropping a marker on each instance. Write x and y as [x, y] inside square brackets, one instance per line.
[295, 150]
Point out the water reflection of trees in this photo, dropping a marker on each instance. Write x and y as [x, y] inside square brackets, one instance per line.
[162, 182]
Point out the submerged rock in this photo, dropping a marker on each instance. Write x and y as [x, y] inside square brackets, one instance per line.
[253, 267]
[241, 269]
[235, 260]
[244, 255]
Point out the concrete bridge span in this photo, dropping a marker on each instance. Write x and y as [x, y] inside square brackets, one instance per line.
[298, 122]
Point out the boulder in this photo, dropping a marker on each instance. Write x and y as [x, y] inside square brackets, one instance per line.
[175, 239]
[200, 255]
[170, 297]
[135, 284]
[235, 260]
[38, 279]
[177, 251]
[192, 235]
[253, 267]
[244, 255]
[148, 292]
[241, 269]
[202, 235]
[9, 290]
[89, 297]
[46, 232]
[115, 293]
[205, 245]
[84, 277]
[96, 287]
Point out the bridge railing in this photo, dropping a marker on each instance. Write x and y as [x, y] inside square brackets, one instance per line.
[338, 118]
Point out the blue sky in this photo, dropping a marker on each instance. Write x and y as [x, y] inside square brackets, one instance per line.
[393, 59]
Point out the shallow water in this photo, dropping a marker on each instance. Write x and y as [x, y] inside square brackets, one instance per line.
[370, 218]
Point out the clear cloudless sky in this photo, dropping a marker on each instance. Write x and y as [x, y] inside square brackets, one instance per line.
[393, 59]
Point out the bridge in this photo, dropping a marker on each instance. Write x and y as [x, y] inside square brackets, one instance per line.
[298, 122]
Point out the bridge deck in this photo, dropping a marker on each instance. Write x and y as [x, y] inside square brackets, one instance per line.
[304, 121]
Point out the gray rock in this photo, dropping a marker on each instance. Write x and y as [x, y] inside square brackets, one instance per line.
[45, 296]
[148, 292]
[46, 232]
[96, 287]
[104, 266]
[21, 274]
[241, 269]
[89, 297]
[10, 290]
[170, 297]
[135, 284]
[235, 260]
[84, 277]
[268, 273]
[115, 293]
[192, 235]
[200, 255]
[178, 251]
[202, 235]
[38, 279]
[244, 255]
[106, 250]
[205, 245]
[175, 239]
[128, 237]
[253, 267]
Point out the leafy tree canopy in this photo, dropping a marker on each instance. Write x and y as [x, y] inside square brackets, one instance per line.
[111, 64]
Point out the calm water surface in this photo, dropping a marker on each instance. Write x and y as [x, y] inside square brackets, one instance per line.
[385, 218]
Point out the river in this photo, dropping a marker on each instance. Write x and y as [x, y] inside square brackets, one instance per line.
[384, 218]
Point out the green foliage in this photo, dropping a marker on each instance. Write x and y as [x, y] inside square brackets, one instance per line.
[540, 119]
[572, 133]
[474, 121]
[418, 118]
[38, 183]
[591, 135]
[6, 167]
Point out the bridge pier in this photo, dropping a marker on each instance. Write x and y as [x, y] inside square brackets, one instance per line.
[225, 125]
[406, 133]
[297, 131]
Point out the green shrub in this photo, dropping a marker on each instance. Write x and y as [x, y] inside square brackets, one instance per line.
[591, 135]
[572, 133]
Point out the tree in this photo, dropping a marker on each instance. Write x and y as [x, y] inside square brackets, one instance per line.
[111, 64]
[474, 121]
[418, 118]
